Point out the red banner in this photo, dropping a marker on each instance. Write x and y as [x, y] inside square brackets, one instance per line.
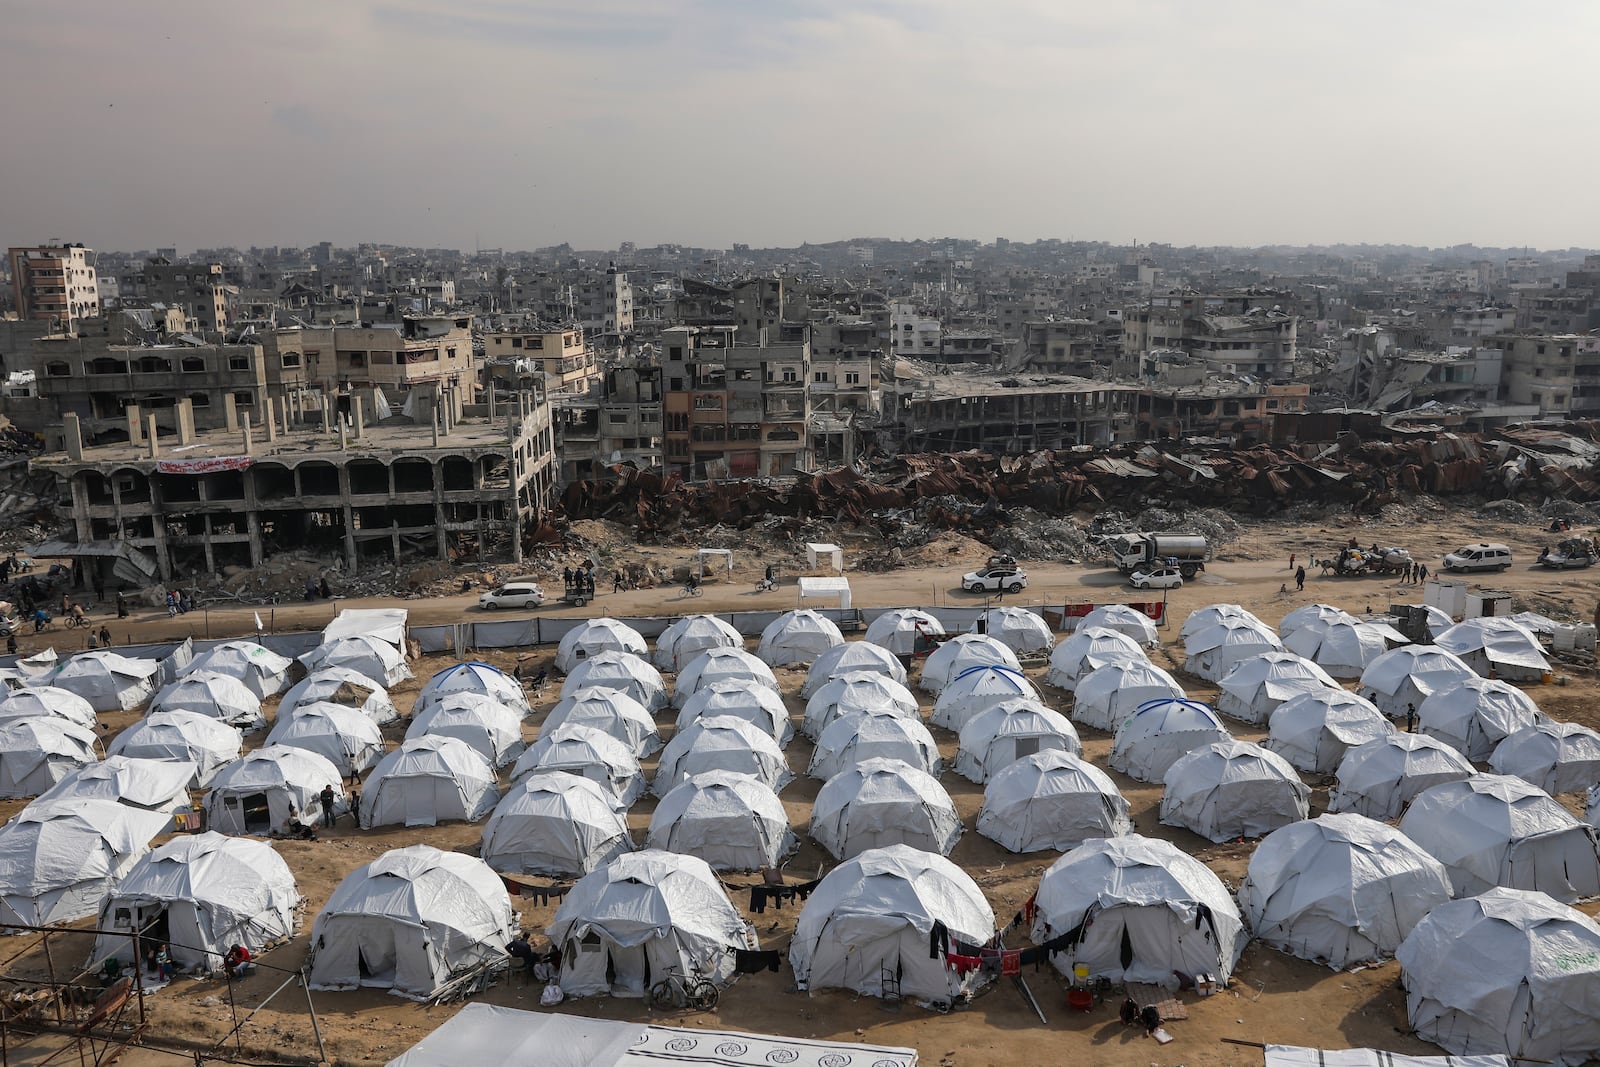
[203, 466]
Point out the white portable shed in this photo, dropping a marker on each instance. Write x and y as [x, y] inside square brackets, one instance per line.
[824, 557]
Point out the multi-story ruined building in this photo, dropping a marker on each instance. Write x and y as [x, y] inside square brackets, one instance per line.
[735, 410]
[420, 349]
[55, 284]
[1237, 333]
[563, 355]
[198, 288]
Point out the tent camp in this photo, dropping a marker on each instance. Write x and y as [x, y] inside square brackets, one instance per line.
[610, 711]
[1003, 733]
[385, 624]
[1158, 733]
[954, 656]
[977, 689]
[1497, 648]
[207, 743]
[856, 691]
[1210, 615]
[152, 784]
[881, 802]
[1475, 715]
[1506, 972]
[261, 670]
[691, 635]
[1213, 650]
[1314, 730]
[264, 790]
[411, 921]
[1107, 695]
[867, 926]
[721, 665]
[1343, 647]
[897, 630]
[46, 702]
[490, 727]
[1233, 789]
[1340, 889]
[215, 695]
[345, 736]
[1051, 800]
[875, 733]
[109, 682]
[730, 820]
[1378, 778]
[59, 860]
[1558, 757]
[1022, 631]
[645, 914]
[574, 748]
[368, 655]
[1492, 829]
[1156, 912]
[555, 824]
[721, 743]
[35, 754]
[754, 703]
[597, 635]
[1406, 676]
[1255, 686]
[341, 685]
[201, 895]
[848, 658]
[619, 670]
[798, 636]
[1128, 621]
[427, 781]
[1312, 615]
[1087, 648]
[473, 677]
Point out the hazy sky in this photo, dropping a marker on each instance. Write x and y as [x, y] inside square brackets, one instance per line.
[521, 124]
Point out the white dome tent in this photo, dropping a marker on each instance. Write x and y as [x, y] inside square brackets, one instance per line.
[182, 735]
[582, 750]
[341, 685]
[977, 689]
[1213, 650]
[108, 681]
[721, 665]
[555, 824]
[1107, 695]
[1022, 631]
[857, 691]
[1255, 686]
[367, 655]
[1476, 715]
[897, 629]
[151, 784]
[1051, 800]
[427, 781]
[261, 670]
[610, 711]
[1558, 757]
[597, 635]
[1003, 733]
[1505, 973]
[754, 703]
[59, 860]
[872, 917]
[956, 655]
[214, 695]
[691, 635]
[490, 727]
[1312, 615]
[881, 802]
[208, 892]
[877, 733]
[473, 677]
[1408, 675]
[621, 671]
[730, 820]
[1157, 911]
[35, 754]
[263, 790]
[1211, 615]
[1233, 789]
[46, 702]
[1128, 621]
[1087, 649]
[798, 636]
[1497, 648]
[849, 658]
[347, 738]
[1343, 647]
[411, 921]
[1377, 779]
[640, 917]
[721, 743]
[1314, 730]
[1340, 889]
[1493, 829]
[1155, 736]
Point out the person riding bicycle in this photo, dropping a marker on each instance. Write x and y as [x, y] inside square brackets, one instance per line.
[772, 574]
[78, 618]
[40, 619]
[694, 583]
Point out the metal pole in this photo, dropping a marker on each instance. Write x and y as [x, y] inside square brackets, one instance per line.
[316, 1028]
[50, 969]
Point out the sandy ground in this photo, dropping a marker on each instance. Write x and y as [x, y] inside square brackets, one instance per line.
[1273, 998]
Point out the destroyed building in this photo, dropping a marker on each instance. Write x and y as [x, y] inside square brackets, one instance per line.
[54, 284]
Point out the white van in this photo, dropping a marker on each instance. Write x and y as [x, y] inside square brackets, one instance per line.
[1479, 557]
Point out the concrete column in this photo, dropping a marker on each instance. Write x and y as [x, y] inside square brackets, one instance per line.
[135, 425]
[349, 518]
[230, 413]
[271, 421]
[185, 413]
[327, 415]
[154, 436]
[343, 440]
[357, 404]
[436, 417]
[72, 435]
[249, 445]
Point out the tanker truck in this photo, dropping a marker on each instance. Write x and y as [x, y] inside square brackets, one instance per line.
[1140, 551]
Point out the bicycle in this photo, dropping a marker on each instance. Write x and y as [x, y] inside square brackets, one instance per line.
[76, 621]
[691, 590]
[693, 991]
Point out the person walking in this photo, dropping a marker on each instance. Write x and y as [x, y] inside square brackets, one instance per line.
[355, 807]
[616, 581]
[105, 636]
[1300, 579]
[1291, 561]
[326, 798]
[1422, 572]
[1411, 718]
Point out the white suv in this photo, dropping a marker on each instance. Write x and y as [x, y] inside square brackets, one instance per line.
[517, 593]
[1479, 557]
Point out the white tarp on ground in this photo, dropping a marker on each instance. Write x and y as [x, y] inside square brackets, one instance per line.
[1022, 631]
[754, 703]
[1505, 972]
[798, 636]
[881, 802]
[109, 682]
[207, 743]
[350, 740]
[1233, 789]
[721, 665]
[59, 860]
[1299, 1056]
[873, 916]
[1003, 733]
[1314, 730]
[1476, 715]
[1379, 778]
[641, 916]
[362, 653]
[721, 743]
[1340, 889]
[341, 685]
[480, 720]
[1492, 829]
[263, 790]
[1212, 651]
[977, 689]
[152, 784]
[856, 691]
[1107, 695]
[896, 630]
[1130, 622]
[875, 733]
[46, 702]
[1406, 676]
[409, 921]
[619, 670]
[957, 654]
[386, 624]
[262, 670]
[730, 820]
[1255, 686]
[35, 754]
[1156, 910]
[691, 635]
[488, 1036]
[427, 781]
[577, 748]
[610, 711]
[847, 658]
[555, 824]
[1496, 646]
[215, 892]
[215, 695]
[1088, 648]
[473, 677]
[1154, 737]
[1342, 647]
[1051, 800]
[597, 635]
[1558, 757]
